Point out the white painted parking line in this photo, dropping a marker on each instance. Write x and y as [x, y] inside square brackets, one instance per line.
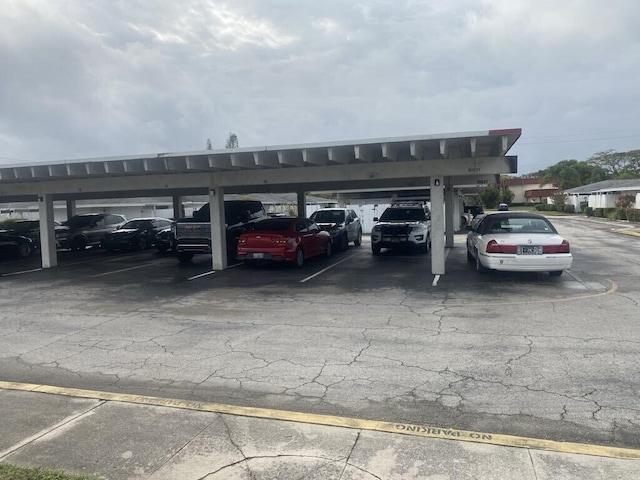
[20, 273]
[202, 275]
[328, 268]
[122, 270]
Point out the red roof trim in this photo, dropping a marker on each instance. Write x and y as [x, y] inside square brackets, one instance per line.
[506, 131]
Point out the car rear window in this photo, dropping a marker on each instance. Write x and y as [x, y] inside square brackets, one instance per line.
[271, 225]
[328, 216]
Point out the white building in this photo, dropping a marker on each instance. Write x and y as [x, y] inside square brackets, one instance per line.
[604, 194]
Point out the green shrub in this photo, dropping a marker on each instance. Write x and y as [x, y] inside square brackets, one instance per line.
[588, 211]
[633, 214]
[569, 209]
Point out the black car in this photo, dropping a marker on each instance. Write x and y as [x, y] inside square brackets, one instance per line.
[15, 245]
[28, 228]
[136, 234]
[87, 229]
[165, 239]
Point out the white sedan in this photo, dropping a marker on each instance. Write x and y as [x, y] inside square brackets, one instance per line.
[517, 242]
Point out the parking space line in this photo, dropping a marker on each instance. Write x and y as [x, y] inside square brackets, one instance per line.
[122, 270]
[328, 268]
[20, 273]
[419, 430]
[202, 275]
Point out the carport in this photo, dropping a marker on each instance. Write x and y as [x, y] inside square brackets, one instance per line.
[442, 163]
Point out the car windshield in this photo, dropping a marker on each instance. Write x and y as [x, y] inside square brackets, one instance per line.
[403, 214]
[520, 225]
[272, 225]
[328, 216]
[79, 222]
[136, 224]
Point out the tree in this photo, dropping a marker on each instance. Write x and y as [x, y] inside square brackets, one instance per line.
[506, 195]
[618, 165]
[572, 173]
[232, 141]
[489, 196]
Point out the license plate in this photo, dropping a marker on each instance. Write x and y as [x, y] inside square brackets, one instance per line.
[528, 250]
[258, 256]
[395, 240]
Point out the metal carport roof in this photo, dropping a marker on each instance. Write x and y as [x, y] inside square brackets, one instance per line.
[451, 160]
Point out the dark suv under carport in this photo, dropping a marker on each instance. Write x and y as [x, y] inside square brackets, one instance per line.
[87, 229]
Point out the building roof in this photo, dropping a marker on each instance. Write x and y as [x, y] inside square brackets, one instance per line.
[606, 186]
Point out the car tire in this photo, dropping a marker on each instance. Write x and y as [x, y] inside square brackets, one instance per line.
[184, 257]
[328, 250]
[344, 242]
[470, 257]
[142, 243]
[24, 250]
[555, 273]
[79, 243]
[375, 249]
[479, 267]
[299, 258]
[358, 241]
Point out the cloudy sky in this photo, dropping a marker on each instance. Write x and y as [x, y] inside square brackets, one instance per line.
[96, 78]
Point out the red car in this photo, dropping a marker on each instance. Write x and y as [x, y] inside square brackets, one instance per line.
[283, 239]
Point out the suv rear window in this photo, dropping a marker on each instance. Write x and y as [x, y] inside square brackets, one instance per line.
[328, 216]
[403, 214]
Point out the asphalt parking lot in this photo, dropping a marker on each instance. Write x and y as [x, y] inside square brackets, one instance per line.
[353, 335]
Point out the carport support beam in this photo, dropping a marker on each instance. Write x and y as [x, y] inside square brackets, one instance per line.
[302, 204]
[71, 208]
[450, 210]
[178, 209]
[218, 229]
[437, 225]
[47, 231]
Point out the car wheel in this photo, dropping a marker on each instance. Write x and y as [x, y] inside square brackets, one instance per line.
[556, 273]
[299, 260]
[470, 258]
[79, 243]
[328, 249]
[184, 257]
[24, 250]
[479, 267]
[375, 249]
[344, 242]
[358, 241]
[142, 243]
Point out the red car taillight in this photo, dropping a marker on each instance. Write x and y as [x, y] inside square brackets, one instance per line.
[495, 247]
[562, 248]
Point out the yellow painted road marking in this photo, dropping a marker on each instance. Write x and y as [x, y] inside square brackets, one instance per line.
[335, 421]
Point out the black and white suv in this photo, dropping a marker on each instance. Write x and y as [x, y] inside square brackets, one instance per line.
[342, 223]
[402, 225]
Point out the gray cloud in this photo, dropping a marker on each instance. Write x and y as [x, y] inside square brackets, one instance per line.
[102, 78]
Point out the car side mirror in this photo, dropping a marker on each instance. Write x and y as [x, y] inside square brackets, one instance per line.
[376, 219]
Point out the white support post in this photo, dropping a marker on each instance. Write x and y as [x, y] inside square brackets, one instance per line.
[302, 204]
[437, 225]
[47, 231]
[218, 229]
[450, 210]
